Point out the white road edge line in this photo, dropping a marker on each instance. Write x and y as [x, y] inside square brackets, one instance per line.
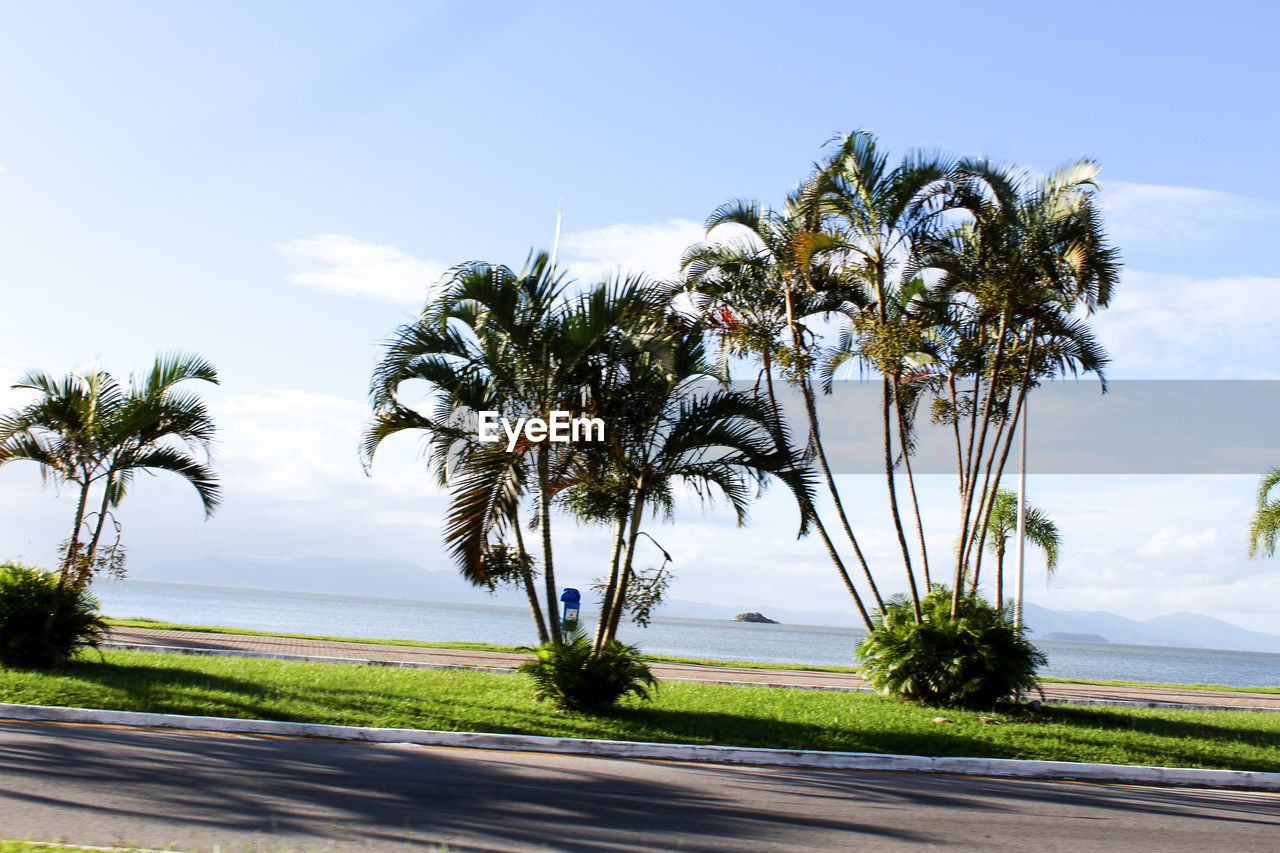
[1000, 767]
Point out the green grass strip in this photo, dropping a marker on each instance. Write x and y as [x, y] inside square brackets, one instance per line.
[494, 647]
[684, 712]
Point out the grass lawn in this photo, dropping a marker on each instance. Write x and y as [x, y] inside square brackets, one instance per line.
[459, 700]
[494, 647]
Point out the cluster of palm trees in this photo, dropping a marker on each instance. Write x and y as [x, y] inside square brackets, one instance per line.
[528, 343]
[89, 431]
[953, 281]
[956, 282]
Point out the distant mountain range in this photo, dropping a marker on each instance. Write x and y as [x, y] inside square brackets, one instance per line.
[402, 579]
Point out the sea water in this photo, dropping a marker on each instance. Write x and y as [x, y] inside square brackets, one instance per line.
[720, 639]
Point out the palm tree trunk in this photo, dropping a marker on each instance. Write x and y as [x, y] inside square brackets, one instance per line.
[955, 428]
[530, 590]
[817, 520]
[811, 412]
[889, 401]
[544, 522]
[73, 543]
[979, 534]
[1017, 414]
[1000, 545]
[69, 562]
[611, 590]
[982, 441]
[92, 552]
[620, 597]
[915, 503]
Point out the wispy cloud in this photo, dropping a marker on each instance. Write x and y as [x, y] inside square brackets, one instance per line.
[342, 264]
[1151, 216]
[654, 248]
[11, 370]
[1162, 326]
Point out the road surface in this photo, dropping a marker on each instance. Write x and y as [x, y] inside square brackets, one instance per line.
[104, 785]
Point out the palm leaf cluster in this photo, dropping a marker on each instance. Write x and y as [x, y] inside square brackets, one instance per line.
[1264, 528]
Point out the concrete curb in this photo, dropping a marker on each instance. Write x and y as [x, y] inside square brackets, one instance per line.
[1002, 767]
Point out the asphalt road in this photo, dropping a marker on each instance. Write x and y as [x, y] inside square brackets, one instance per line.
[191, 791]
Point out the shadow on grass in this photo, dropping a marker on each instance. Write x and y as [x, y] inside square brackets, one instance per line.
[501, 704]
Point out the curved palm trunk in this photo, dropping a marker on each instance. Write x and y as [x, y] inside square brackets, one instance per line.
[1008, 444]
[955, 428]
[73, 543]
[92, 551]
[811, 412]
[817, 521]
[70, 561]
[620, 596]
[607, 601]
[982, 440]
[544, 522]
[889, 401]
[915, 503]
[977, 537]
[530, 589]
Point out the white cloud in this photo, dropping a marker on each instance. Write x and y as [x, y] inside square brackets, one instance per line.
[297, 447]
[1150, 216]
[655, 249]
[11, 370]
[1173, 326]
[343, 264]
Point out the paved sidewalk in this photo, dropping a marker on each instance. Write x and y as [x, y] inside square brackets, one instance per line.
[421, 656]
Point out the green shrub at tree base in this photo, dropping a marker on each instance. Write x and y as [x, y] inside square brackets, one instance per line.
[973, 660]
[576, 679]
[41, 625]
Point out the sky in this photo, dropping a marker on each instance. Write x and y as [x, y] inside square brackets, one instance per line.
[277, 187]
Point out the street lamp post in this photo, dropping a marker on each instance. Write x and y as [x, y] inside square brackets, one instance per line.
[1022, 512]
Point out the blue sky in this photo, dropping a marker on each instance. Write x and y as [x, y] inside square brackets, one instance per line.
[276, 185]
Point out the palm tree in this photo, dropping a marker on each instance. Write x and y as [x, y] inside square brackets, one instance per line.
[490, 341]
[1265, 526]
[89, 431]
[1037, 527]
[666, 427]
[1013, 276]
[755, 294]
[883, 213]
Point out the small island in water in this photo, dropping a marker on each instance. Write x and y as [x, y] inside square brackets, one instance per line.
[755, 617]
[1076, 638]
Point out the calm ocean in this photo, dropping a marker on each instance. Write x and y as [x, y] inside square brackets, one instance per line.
[358, 616]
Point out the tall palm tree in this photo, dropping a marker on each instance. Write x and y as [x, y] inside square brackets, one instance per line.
[883, 213]
[666, 426]
[89, 431]
[756, 293]
[490, 341]
[1265, 526]
[1014, 274]
[1037, 527]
